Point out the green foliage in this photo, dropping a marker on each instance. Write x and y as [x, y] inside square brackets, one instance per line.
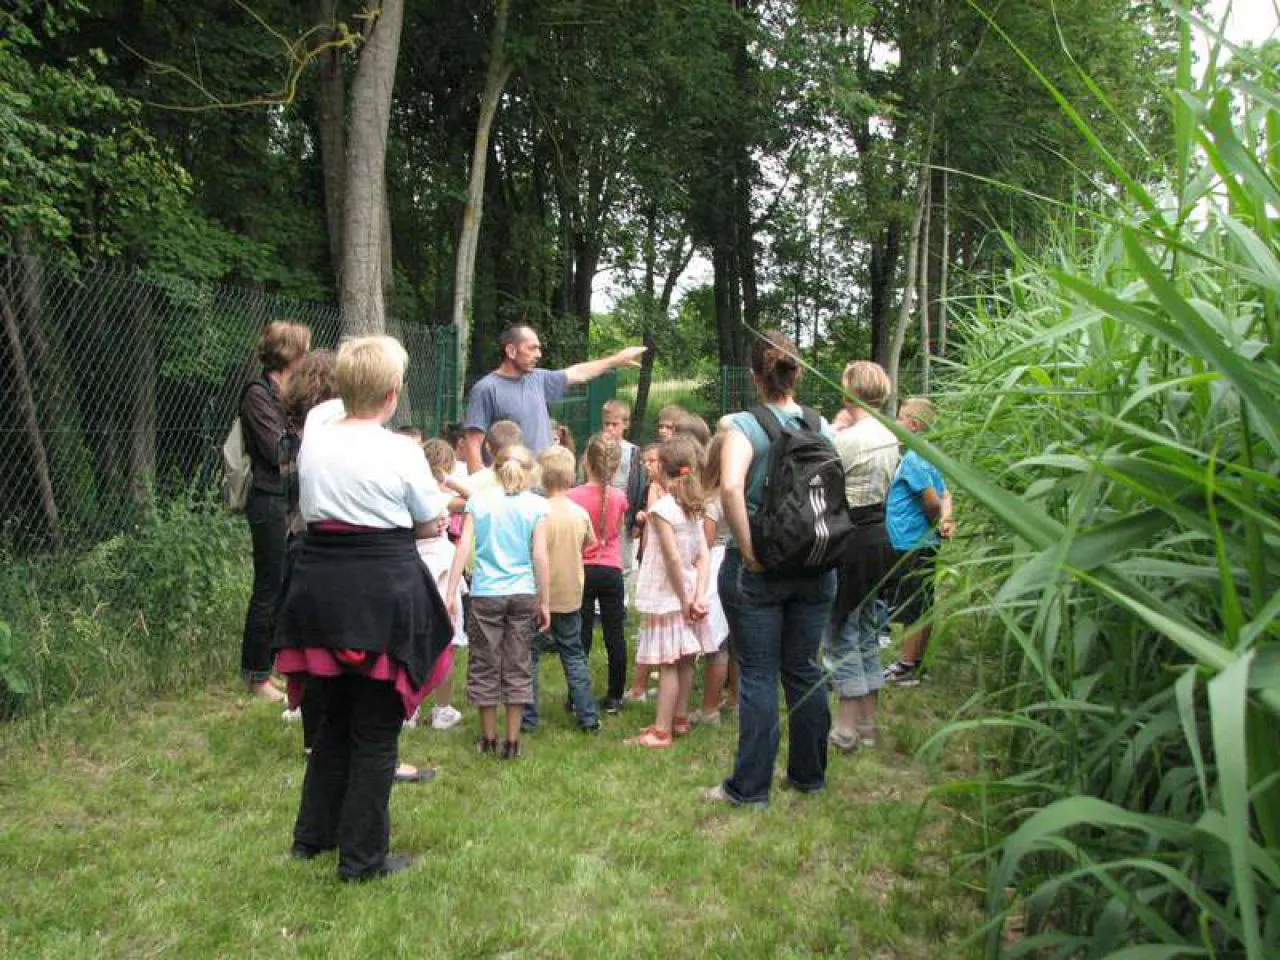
[82, 176]
[151, 611]
[1117, 416]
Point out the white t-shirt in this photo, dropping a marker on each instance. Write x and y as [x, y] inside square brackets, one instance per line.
[869, 454]
[363, 474]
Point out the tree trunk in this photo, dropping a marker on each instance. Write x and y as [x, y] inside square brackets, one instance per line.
[721, 280]
[25, 395]
[944, 258]
[647, 321]
[908, 288]
[924, 281]
[496, 77]
[586, 257]
[745, 250]
[883, 267]
[360, 283]
[330, 120]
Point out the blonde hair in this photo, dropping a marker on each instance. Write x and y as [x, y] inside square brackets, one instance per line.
[615, 409]
[869, 382]
[514, 468]
[601, 459]
[368, 369]
[681, 460]
[556, 464]
[440, 456]
[711, 465]
[282, 343]
[503, 434]
[920, 410]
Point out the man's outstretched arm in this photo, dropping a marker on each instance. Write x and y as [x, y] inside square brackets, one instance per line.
[590, 369]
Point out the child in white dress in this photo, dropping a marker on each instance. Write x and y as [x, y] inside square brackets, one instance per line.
[671, 590]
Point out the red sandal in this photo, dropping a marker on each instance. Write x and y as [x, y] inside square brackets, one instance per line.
[650, 737]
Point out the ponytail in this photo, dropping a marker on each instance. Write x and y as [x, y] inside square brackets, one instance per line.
[601, 458]
[514, 468]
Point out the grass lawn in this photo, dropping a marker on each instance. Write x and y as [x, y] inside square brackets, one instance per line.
[165, 833]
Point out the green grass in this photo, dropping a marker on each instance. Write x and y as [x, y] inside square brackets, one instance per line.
[164, 832]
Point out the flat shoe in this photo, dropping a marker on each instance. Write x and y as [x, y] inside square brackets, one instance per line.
[300, 851]
[415, 775]
[394, 863]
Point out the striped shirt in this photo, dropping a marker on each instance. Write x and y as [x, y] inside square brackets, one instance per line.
[869, 453]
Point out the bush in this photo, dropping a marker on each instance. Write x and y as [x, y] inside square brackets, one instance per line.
[154, 610]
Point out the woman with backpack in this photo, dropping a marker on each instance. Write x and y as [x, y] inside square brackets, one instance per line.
[777, 618]
[262, 418]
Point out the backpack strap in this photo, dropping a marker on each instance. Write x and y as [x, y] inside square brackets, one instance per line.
[768, 422]
[773, 430]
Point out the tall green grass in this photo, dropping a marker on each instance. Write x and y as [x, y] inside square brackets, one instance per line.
[1118, 405]
[153, 610]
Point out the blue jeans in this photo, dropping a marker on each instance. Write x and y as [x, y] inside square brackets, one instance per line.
[777, 625]
[566, 639]
[853, 649]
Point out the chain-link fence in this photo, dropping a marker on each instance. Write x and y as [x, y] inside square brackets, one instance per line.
[121, 386]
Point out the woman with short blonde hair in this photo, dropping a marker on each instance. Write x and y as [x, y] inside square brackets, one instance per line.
[362, 624]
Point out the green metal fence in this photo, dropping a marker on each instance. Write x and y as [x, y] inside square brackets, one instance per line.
[118, 389]
[580, 410]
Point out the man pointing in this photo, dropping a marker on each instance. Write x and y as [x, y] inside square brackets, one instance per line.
[518, 390]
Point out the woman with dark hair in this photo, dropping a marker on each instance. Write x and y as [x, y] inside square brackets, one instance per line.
[262, 418]
[312, 383]
[777, 621]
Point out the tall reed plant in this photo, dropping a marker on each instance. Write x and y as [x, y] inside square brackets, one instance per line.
[1118, 405]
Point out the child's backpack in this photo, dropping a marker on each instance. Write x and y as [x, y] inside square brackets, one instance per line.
[803, 524]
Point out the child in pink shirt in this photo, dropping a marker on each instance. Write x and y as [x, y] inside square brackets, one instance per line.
[602, 562]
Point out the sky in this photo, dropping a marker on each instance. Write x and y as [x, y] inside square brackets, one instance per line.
[1247, 21]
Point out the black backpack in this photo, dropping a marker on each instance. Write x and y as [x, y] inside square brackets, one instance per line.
[803, 524]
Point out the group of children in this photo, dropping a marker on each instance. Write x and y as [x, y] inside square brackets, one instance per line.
[533, 547]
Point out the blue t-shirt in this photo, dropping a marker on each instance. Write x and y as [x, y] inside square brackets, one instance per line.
[744, 421]
[522, 399]
[904, 516]
[504, 542]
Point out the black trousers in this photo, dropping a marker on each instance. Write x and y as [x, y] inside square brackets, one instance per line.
[605, 584]
[269, 528]
[350, 772]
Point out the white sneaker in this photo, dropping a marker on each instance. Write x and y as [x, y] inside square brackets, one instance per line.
[411, 723]
[445, 718]
[291, 716]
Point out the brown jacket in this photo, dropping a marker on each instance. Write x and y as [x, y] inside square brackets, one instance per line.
[263, 422]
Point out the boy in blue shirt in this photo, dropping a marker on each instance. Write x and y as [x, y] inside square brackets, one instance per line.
[917, 516]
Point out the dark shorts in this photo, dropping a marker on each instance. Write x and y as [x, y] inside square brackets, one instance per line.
[912, 594]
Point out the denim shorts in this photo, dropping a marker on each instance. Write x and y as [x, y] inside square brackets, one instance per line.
[851, 650]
